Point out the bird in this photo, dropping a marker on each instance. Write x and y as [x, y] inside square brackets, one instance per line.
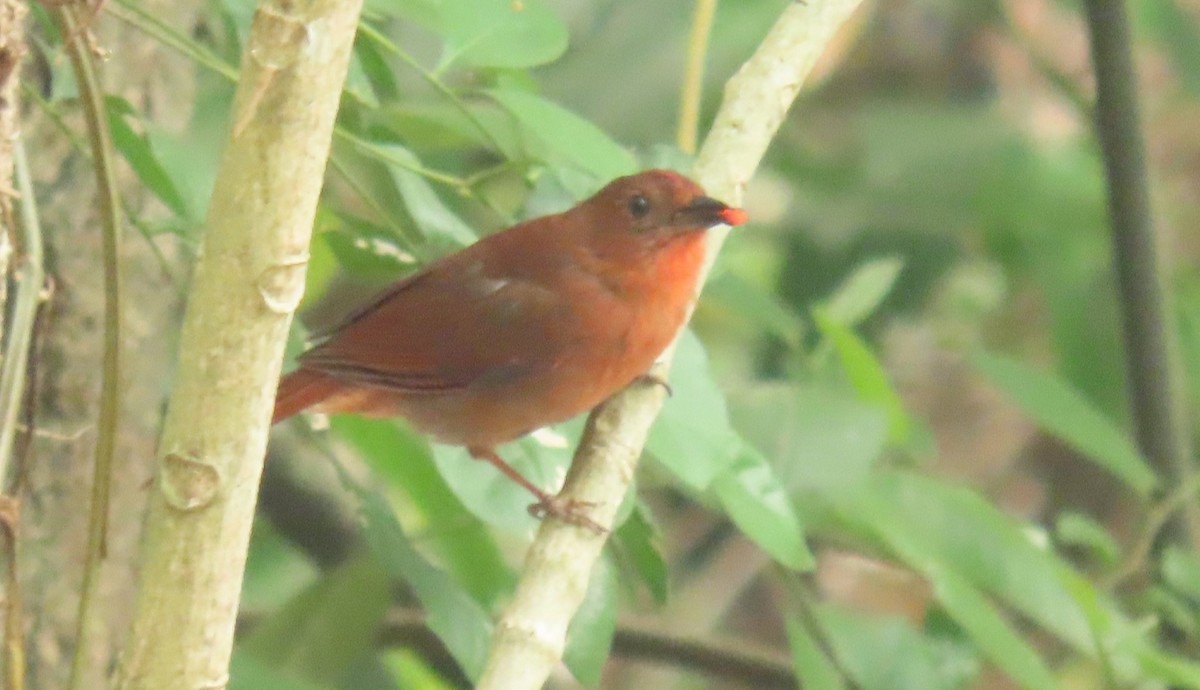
[527, 327]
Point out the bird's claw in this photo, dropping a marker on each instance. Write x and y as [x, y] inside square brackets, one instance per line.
[568, 510]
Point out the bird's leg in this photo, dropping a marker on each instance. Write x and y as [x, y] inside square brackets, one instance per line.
[565, 510]
[656, 380]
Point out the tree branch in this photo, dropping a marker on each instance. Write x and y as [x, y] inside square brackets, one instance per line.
[531, 634]
[1153, 370]
[249, 278]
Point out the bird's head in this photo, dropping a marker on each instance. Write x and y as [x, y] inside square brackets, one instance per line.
[650, 209]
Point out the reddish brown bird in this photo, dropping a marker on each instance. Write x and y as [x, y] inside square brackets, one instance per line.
[525, 328]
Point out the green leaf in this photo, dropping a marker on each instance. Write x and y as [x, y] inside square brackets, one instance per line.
[1181, 570]
[863, 291]
[590, 635]
[818, 438]
[757, 503]
[457, 619]
[500, 33]
[763, 308]
[141, 157]
[1067, 415]
[1077, 529]
[542, 458]
[248, 673]
[463, 543]
[636, 545]
[693, 437]
[1176, 671]
[994, 635]
[936, 527]
[431, 215]
[323, 630]
[813, 668]
[886, 653]
[867, 375]
[409, 670]
[560, 137]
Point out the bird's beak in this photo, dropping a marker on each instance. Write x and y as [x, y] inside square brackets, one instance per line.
[706, 212]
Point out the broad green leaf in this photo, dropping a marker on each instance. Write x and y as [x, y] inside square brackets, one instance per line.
[500, 33]
[936, 527]
[431, 215]
[139, 153]
[248, 673]
[757, 503]
[1179, 672]
[867, 375]
[457, 619]
[275, 569]
[1061, 411]
[542, 458]
[320, 632]
[693, 437]
[590, 634]
[463, 543]
[818, 438]
[994, 635]
[813, 668]
[1077, 529]
[409, 670]
[762, 308]
[886, 653]
[1181, 570]
[557, 135]
[863, 291]
[636, 546]
[367, 252]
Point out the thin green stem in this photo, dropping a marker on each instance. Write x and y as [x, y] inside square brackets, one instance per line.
[430, 78]
[51, 111]
[693, 75]
[92, 100]
[135, 15]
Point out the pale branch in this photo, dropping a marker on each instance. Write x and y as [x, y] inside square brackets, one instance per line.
[247, 283]
[529, 638]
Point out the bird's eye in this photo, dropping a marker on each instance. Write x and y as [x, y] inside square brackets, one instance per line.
[639, 205]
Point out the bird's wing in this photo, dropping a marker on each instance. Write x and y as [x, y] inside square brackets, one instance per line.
[453, 327]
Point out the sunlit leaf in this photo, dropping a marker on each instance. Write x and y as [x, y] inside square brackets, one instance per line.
[636, 545]
[863, 291]
[867, 375]
[463, 543]
[813, 667]
[758, 504]
[504, 34]
[590, 635]
[320, 632]
[139, 153]
[1061, 411]
[556, 134]
[693, 437]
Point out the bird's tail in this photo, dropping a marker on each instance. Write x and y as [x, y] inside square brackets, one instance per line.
[300, 390]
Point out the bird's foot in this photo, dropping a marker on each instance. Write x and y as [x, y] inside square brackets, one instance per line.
[568, 510]
[656, 380]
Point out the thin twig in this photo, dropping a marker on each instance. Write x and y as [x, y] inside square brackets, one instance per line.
[92, 99]
[693, 75]
[1157, 406]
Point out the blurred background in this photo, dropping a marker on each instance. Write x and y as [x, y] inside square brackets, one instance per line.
[899, 451]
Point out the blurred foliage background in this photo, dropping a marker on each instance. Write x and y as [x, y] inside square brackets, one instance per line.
[898, 454]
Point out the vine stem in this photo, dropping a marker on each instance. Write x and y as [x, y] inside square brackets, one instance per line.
[693, 75]
[92, 101]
